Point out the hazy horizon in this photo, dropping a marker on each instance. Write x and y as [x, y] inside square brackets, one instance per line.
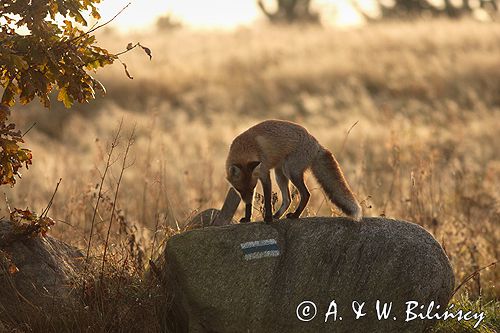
[216, 14]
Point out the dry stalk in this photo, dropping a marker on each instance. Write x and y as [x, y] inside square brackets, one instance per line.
[114, 143]
[124, 166]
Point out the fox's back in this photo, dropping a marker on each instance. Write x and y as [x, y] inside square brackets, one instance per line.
[271, 141]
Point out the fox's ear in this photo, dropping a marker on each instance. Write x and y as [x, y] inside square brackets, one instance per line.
[252, 166]
[234, 172]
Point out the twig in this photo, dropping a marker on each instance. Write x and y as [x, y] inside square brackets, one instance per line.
[157, 218]
[395, 172]
[322, 201]
[106, 243]
[346, 136]
[114, 143]
[7, 202]
[131, 46]
[29, 129]
[471, 276]
[46, 210]
[64, 222]
[148, 169]
[109, 21]
[101, 25]
[156, 272]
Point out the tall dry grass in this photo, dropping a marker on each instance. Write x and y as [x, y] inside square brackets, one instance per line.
[425, 96]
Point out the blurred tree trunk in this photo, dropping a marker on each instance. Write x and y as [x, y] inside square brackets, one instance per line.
[418, 8]
[290, 11]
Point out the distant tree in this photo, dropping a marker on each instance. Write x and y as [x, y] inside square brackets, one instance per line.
[418, 8]
[38, 55]
[167, 22]
[290, 11]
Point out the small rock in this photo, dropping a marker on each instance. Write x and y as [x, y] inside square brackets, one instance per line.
[36, 273]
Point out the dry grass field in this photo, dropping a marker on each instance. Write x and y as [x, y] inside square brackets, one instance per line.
[411, 110]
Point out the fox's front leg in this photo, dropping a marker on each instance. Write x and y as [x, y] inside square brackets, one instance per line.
[248, 212]
[265, 179]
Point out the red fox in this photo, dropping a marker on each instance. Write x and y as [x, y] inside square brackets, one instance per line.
[290, 150]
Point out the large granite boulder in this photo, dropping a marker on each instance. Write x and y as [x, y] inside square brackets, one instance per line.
[262, 278]
[36, 274]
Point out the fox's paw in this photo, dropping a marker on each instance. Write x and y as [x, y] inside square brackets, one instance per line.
[268, 219]
[291, 216]
[244, 220]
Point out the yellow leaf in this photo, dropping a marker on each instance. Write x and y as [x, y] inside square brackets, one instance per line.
[64, 97]
[8, 97]
[95, 14]
[4, 112]
[9, 146]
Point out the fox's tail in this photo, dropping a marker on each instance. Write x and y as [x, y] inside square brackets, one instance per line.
[326, 170]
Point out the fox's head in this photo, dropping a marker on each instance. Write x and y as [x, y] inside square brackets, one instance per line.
[244, 177]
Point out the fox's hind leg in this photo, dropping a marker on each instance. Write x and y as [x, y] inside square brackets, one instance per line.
[282, 181]
[297, 179]
[294, 167]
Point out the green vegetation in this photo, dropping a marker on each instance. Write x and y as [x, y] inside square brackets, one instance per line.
[490, 324]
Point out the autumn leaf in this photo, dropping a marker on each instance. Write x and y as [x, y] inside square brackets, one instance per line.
[8, 97]
[95, 14]
[147, 51]
[126, 71]
[9, 146]
[19, 62]
[51, 56]
[64, 97]
[13, 269]
[29, 224]
[98, 86]
[4, 113]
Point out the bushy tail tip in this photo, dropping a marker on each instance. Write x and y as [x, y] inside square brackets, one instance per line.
[327, 172]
